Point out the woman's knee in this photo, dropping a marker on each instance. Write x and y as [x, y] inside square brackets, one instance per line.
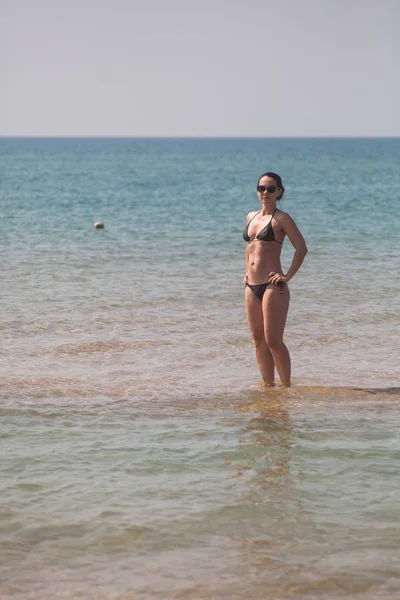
[258, 337]
[274, 343]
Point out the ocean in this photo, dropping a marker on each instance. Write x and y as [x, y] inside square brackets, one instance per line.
[140, 458]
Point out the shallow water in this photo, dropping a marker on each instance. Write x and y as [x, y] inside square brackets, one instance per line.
[270, 494]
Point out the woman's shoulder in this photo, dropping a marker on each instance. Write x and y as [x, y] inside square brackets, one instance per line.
[251, 215]
[281, 213]
[282, 216]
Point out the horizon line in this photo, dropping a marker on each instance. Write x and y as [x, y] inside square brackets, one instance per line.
[202, 137]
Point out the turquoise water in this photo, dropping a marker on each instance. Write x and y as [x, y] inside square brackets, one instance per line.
[140, 458]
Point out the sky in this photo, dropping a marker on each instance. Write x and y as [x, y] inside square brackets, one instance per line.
[184, 68]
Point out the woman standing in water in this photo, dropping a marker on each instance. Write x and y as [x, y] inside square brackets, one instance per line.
[267, 293]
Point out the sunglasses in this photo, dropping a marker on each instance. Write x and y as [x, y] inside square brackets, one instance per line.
[268, 188]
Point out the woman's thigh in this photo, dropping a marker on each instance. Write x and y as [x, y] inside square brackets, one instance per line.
[275, 308]
[254, 314]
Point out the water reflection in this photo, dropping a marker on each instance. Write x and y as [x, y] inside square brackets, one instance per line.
[270, 430]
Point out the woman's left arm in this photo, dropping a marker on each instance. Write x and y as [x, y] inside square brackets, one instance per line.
[299, 244]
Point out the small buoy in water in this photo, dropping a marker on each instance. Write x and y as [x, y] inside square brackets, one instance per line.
[98, 225]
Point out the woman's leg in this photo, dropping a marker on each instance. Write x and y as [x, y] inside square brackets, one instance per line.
[256, 323]
[275, 308]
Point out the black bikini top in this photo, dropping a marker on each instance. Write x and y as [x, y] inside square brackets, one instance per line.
[265, 235]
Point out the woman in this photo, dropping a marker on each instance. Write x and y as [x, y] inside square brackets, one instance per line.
[267, 293]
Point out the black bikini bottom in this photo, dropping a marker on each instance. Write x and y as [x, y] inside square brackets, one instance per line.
[259, 289]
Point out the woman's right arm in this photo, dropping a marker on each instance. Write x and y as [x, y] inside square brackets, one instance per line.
[248, 218]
